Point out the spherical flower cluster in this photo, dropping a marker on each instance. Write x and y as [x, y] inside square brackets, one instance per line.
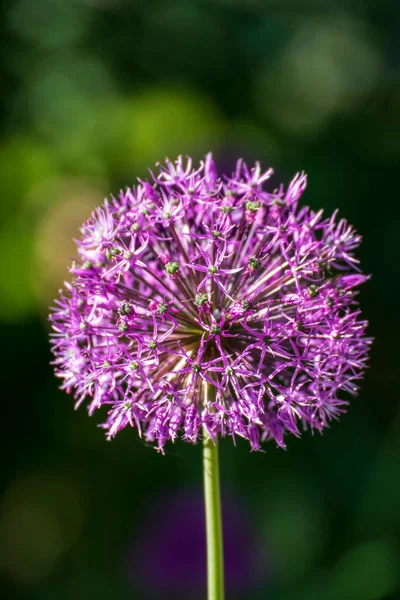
[209, 306]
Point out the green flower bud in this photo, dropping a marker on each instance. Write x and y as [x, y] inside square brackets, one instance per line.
[171, 267]
[254, 263]
[312, 290]
[200, 299]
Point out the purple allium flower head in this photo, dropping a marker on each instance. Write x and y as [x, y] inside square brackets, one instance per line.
[200, 302]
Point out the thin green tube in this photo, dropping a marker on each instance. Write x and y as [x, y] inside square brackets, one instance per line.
[212, 500]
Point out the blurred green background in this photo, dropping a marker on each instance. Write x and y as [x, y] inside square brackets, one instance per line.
[95, 91]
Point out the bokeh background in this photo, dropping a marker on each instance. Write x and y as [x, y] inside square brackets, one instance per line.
[95, 91]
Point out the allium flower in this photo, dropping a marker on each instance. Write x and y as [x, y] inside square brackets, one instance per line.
[207, 303]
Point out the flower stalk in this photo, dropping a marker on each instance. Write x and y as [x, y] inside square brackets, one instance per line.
[212, 500]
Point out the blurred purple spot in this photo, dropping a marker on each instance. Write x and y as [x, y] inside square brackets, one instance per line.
[168, 555]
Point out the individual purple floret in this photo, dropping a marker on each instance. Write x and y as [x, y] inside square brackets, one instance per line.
[208, 304]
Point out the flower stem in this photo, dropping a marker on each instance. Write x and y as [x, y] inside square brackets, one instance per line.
[212, 500]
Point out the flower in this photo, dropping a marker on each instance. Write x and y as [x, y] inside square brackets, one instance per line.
[208, 304]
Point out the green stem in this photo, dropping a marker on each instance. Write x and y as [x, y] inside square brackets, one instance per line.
[215, 560]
